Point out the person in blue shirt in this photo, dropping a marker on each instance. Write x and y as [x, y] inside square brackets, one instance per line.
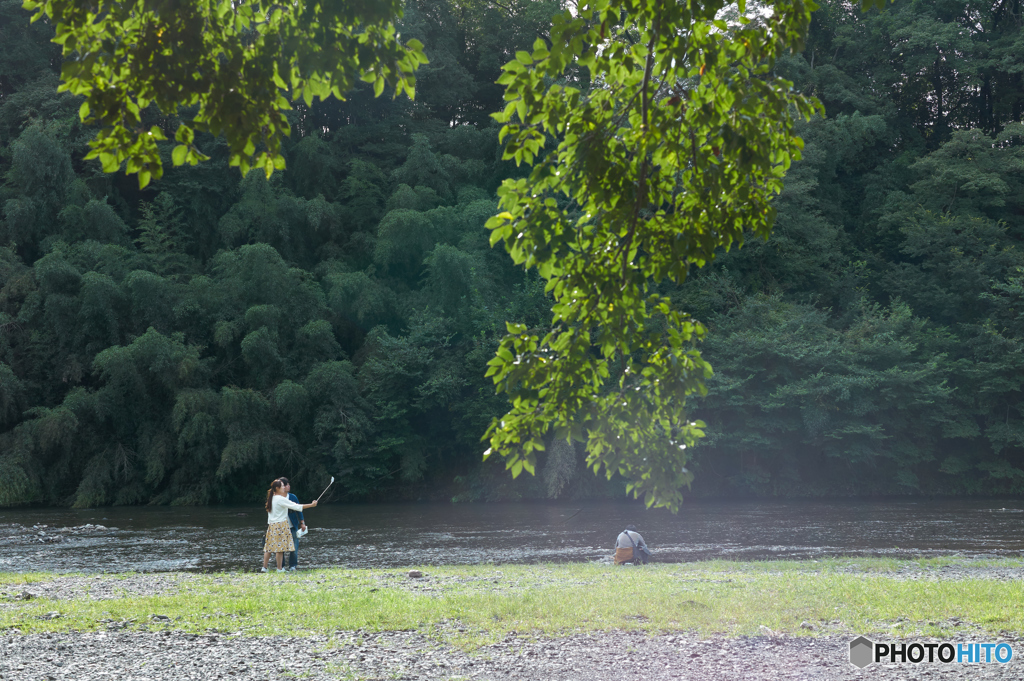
[297, 522]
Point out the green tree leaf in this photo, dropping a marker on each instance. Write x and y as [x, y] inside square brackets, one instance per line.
[676, 150]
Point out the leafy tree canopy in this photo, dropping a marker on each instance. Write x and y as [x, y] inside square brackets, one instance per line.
[674, 151]
[234, 65]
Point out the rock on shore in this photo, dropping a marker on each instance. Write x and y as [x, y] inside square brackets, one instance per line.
[611, 656]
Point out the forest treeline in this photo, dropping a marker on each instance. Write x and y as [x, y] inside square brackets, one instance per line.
[186, 343]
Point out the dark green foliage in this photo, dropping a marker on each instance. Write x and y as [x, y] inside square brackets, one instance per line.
[25, 51]
[868, 347]
[188, 343]
[223, 66]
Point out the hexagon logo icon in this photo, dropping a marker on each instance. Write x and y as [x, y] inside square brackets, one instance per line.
[861, 652]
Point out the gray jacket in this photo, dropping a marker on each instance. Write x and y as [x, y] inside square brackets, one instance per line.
[623, 541]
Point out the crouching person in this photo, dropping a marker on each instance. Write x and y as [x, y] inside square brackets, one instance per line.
[630, 548]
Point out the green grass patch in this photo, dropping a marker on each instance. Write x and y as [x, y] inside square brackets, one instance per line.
[475, 605]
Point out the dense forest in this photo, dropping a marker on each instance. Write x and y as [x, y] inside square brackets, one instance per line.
[186, 343]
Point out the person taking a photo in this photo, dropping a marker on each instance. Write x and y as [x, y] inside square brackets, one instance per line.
[296, 522]
[279, 536]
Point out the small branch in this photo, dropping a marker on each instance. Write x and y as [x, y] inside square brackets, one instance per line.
[642, 180]
[647, 76]
[508, 9]
[956, 189]
[641, 196]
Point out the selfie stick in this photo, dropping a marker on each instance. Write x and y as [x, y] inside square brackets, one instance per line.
[326, 488]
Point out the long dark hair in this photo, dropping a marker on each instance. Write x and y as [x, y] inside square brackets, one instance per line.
[274, 486]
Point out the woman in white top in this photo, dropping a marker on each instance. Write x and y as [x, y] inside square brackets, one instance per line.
[279, 536]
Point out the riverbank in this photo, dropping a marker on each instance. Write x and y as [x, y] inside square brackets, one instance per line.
[699, 620]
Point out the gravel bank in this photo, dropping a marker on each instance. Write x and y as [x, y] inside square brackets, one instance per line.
[962, 570]
[174, 656]
[124, 653]
[97, 587]
[103, 587]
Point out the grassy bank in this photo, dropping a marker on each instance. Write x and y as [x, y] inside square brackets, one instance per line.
[473, 605]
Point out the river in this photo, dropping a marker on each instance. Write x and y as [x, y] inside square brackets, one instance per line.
[230, 538]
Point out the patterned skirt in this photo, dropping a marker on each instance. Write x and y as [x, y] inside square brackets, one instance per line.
[279, 538]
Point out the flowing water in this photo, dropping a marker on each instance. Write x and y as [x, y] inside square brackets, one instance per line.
[230, 538]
